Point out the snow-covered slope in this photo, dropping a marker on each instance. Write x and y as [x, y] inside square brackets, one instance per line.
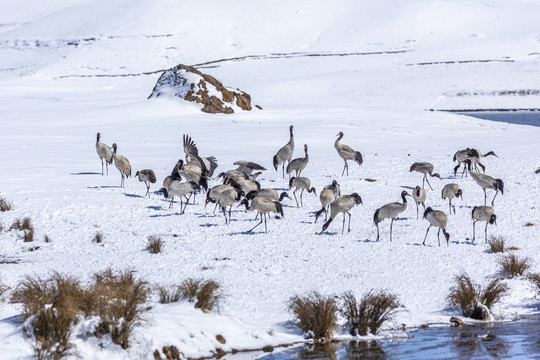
[71, 69]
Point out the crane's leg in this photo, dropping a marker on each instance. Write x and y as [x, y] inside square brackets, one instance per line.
[343, 226]
[416, 211]
[250, 230]
[265, 228]
[148, 190]
[326, 212]
[230, 208]
[464, 171]
[301, 202]
[294, 193]
[377, 225]
[344, 167]
[215, 207]
[224, 214]
[485, 230]
[171, 203]
[473, 230]
[423, 181]
[106, 167]
[485, 196]
[424, 205]
[349, 230]
[450, 206]
[425, 176]
[438, 237]
[493, 201]
[425, 237]
[283, 168]
[391, 223]
[102, 167]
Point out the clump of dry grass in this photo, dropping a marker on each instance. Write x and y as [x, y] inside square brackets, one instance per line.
[24, 224]
[208, 296]
[98, 238]
[512, 265]
[47, 239]
[119, 303]
[474, 300]
[51, 307]
[190, 289]
[496, 243]
[315, 314]
[374, 309]
[28, 235]
[535, 279]
[5, 205]
[168, 295]
[154, 244]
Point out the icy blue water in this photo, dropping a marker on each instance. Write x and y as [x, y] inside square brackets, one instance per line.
[510, 340]
[513, 117]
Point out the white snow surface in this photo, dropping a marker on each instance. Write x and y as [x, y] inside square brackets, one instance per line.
[70, 69]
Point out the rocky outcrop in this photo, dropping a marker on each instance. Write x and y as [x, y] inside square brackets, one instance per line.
[188, 83]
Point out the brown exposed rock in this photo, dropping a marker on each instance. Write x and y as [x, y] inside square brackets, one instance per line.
[179, 81]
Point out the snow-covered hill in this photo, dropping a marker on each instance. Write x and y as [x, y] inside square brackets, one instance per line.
[71, 69]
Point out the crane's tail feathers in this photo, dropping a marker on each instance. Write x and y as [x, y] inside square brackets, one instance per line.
[376, 219]
[152, 177]
[358, 158]
[203, 183]
[276, 162]
[472, 212]
[499, 185]
[213, 163]
[279, 208]
[455, 158]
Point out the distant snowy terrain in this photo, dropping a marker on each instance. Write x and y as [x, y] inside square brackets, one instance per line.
[70, 69]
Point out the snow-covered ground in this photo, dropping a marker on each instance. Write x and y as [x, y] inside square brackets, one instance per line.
[70, 69]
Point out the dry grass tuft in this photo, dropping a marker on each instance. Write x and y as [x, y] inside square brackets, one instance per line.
[47, 239]
[98, 238]
[52, 305]
[512, 265]
[5, 205]
[374, 309]
[24, 224]
[119, 303]
[315, 314]
[168, 295]
[28, 235]
[190, 289]
[529, 224]
[496, 243]
[154, 244]
[208, 296]
[474, 300]
[535, 279]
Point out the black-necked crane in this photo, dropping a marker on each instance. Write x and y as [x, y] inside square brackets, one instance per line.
[299, 164]
[180, 189]
[347, 153]
[174, 174]
[451, 191]
[342, 204]
[267, 193]
[487, 182]
[285, 153]
[327, 195]
[438, 219]
[122, 164]
[247, 185]
[483, 213]
[229, 198]
[210, 163]
[302, 183]
[419, 196]
[214, 193]
[193, 172]
[232, 175]
[247, 167]
[263, 206]
[147, 176]
[461, 156]
[105, 153]
[390, 211]
[424, 168]
[477, 155]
